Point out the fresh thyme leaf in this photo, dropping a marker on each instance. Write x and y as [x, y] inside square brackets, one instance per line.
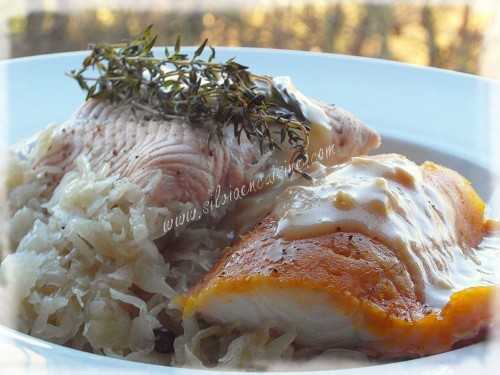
[200, 49]
[178, 44]
[201, 91]
[212, 54]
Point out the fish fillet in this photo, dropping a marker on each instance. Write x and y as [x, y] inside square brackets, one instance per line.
[140, 148]
[338, 276]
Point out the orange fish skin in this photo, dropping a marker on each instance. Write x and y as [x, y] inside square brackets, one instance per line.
[360, 277]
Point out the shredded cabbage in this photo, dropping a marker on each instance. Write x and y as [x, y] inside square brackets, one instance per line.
[85, 271]
[80, 257]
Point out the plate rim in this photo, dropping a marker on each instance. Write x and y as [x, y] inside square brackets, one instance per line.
[265, 50]
[27, 339]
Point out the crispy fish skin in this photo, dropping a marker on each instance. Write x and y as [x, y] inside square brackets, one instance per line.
[360, 279]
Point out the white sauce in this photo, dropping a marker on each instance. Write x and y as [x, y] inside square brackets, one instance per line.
[321, 128]
[386, 198]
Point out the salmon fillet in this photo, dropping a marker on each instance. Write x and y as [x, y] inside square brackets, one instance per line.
[341, 283]
[188, 170]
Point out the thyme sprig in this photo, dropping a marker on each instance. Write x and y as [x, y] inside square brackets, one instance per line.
[198, 89]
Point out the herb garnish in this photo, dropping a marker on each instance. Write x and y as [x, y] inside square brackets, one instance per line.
[202, 91]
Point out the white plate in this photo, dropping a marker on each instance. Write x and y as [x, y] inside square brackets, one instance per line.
[424, 113]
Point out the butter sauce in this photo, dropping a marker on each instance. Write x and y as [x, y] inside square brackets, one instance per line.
[386, 198]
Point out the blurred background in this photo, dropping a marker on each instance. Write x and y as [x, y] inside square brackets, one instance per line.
[462, 35]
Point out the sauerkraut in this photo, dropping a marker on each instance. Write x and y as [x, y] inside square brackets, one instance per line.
[88, 265]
